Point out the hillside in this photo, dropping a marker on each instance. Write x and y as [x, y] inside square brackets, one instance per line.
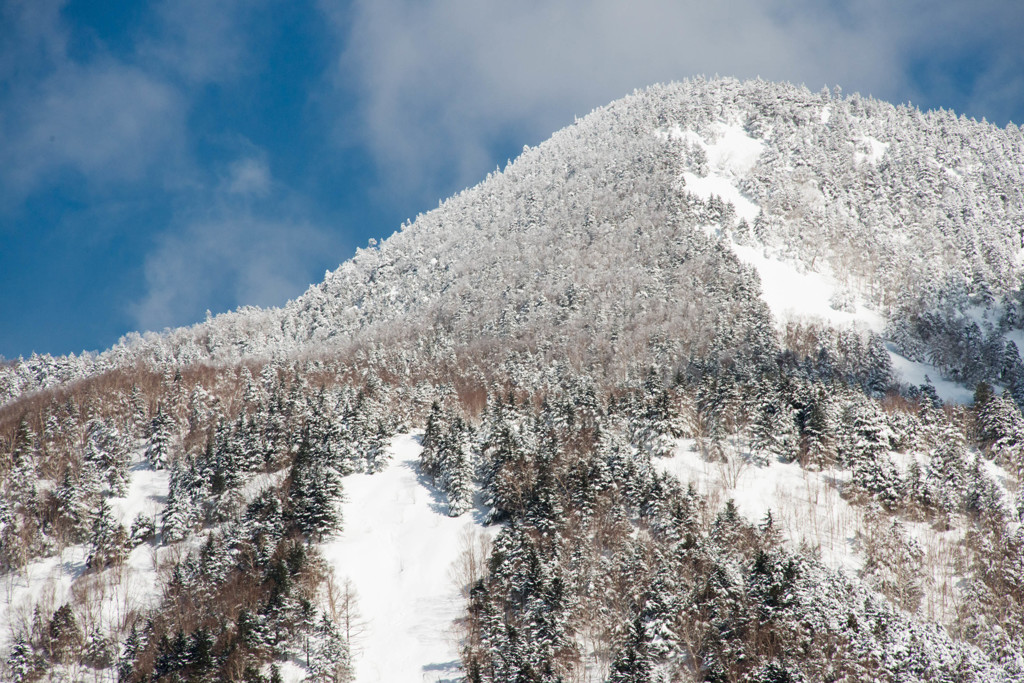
[721, 382]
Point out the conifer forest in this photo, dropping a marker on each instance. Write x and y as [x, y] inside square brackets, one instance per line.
[720, 383]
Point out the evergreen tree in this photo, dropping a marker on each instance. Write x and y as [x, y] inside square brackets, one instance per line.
[774, 429]
[64, 634]
[892, 562]
[947, 470]
[98, 652]
[107, 540]
[330, 661]
[315, 492]
[1001, 430]
[817, 438]
[25, 446]
[22, 661]
[182, 511]
[867, 455]
[108, 451]
[161, 440]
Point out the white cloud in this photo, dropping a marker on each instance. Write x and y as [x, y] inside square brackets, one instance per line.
[229, 257]
[107, 121]
[440, 81]
[110, 120]
[33, 40]
[104, 119]
[201, 41]
[248, 176]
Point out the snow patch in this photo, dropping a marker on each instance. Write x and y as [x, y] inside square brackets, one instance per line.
[1016, 336]
[718, 185]
[794, 295]
[806, 506]
[733, 152]
[46, 582]
[147, 493]
[869, 149]
[914, 373]
[397, 549]
[732, 155]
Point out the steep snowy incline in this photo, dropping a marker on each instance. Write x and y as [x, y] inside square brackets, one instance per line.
[793, 291]
[397, 549]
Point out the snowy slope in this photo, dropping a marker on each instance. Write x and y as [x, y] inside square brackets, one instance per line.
[792, 291]
[809, 509]
[397, 548]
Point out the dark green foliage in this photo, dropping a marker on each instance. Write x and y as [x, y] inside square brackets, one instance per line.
[160, 449]
[578, 282]
[314, 493]
[632, 664]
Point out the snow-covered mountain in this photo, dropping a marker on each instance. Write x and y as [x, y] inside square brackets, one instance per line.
[721, 382]
[848, 208]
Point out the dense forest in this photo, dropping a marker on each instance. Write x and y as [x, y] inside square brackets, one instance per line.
[669, 476]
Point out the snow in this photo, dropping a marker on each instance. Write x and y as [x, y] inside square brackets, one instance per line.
[789, 292]
[108, 596]
[806, 505]
[914, 373]
[397, 549]
[792, 294]
[718, 185]
[876, 149]
[826, 114]
[734, 152]
[1003, 478]
[147, 493]
[47, 581]
[1016, 336]
[731, 155]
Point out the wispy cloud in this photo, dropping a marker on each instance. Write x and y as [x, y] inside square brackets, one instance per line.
[201, 41]
[440, 82]
[110, 119]
[119, 123]
[108, 122]
[247, 176]
[102, 119]
[238, 250]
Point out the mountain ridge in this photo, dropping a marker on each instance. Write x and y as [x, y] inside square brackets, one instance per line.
[438, 248]
[670, 370]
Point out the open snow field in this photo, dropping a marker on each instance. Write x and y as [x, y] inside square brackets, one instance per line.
[397, 549]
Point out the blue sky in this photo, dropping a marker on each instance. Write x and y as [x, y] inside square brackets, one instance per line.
[161, 159]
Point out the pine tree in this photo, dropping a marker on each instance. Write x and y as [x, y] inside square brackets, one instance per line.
[107, 540]
[459, 484]
[98, 652]
[867, 455]
[774, 429]
[330, 661]
[818, 434]
[65, 635]
[25, 446]
[1001, 430]
[108, 451]
[21, 662]
[161, 440]
[947, 470]
[182, 510]
[143, 529]
[377, 449]
[892, 562]
[315, 492]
